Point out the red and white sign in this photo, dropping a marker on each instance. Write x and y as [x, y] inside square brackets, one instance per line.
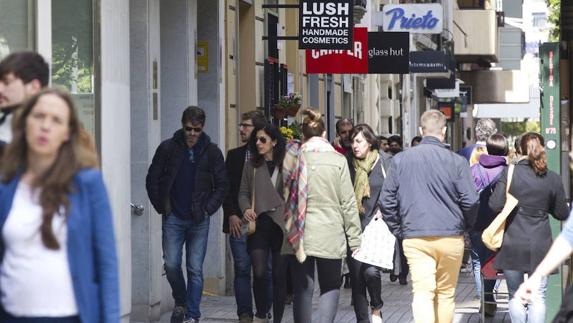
[354, 61]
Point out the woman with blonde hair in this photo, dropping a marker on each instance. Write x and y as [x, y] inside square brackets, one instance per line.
[57, 249]
[527, 236]
[321, 218]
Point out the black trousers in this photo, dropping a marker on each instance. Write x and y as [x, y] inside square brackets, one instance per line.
[329, 273]
[364, 277]
[267, 240]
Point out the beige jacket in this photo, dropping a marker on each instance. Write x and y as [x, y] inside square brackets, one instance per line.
[332, 215]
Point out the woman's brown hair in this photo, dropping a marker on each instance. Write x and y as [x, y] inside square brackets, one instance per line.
[56, 182]
[533, 146]
[312, 123]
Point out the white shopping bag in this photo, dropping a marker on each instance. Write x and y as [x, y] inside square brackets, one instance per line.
[377, 246]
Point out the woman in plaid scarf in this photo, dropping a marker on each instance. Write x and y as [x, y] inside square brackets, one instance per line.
[321, 218]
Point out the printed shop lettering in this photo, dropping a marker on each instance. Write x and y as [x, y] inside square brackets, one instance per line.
[428, 21]
[326, 15]
[356, 52]
[325, 24]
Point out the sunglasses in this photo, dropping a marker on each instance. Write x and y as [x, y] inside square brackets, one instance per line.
[263, 140]
[194, 129]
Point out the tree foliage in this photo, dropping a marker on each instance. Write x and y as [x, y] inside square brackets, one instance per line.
[554, 19]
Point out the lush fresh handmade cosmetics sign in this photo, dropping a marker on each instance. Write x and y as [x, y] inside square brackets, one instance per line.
[325, 24]
[413, 18]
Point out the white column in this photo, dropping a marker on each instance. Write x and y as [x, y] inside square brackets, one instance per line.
[115, 132]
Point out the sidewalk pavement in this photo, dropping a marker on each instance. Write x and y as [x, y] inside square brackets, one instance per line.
[397, 305]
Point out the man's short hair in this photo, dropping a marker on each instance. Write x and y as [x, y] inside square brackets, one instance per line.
[193, 114]
[432, 122]
[27, 66]
[256, 117]
[484, 129]
[341, 122]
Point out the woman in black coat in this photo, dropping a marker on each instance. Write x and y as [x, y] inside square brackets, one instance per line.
[527, 236]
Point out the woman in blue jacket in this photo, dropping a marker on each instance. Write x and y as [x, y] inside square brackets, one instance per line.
[57, 248]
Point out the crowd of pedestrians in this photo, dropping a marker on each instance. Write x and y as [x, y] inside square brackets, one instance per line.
[295, 213]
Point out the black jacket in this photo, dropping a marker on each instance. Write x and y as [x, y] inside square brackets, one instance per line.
[211, 183]
[429, 192]
[527, 236]
[375, 179]
[234, 162]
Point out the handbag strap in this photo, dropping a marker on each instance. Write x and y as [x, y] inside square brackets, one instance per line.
[509, 177]
[253, 190]
[382, 168]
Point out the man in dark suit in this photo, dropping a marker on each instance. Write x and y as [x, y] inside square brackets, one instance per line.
[233, 217]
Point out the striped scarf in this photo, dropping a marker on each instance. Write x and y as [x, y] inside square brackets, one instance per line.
[296, 189]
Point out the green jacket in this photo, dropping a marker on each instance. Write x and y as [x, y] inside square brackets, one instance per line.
[332, 215]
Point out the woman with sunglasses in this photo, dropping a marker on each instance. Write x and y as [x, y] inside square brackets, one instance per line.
[260, 199]
[57, 250]
[322, 218]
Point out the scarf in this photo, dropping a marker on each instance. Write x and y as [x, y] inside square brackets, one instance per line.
[362, 167]
[296, 189]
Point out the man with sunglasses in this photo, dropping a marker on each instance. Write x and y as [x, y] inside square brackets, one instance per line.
[233, 218]
[187, 183]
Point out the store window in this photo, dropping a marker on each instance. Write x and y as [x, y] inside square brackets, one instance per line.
[73, 55]
[16, 26]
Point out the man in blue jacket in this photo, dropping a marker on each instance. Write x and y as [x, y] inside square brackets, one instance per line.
[429, 200]
[186, 183]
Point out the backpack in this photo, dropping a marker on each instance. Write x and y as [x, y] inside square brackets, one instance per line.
[485, 213]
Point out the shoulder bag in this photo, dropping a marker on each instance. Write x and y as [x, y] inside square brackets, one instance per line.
[492, 236]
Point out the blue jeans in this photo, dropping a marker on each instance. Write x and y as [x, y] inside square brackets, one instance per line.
[533, 312]
[176, 233]
[242, 282]
[480, 254]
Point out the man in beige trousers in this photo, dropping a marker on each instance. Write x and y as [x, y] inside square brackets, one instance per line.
[429, 200]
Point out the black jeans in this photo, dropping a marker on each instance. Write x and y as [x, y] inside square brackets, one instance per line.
[329, 273]
[266, 240]
[364, 276]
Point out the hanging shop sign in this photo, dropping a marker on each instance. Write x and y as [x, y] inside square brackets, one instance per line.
[325, 24]
[372, 52]
[353, 61]
[388, 53]
[413, 18]
[429, 61]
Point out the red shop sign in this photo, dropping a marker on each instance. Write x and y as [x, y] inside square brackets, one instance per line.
[354, 61]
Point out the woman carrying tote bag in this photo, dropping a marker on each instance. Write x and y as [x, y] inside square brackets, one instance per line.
[367, 171]
[527, 236]
[261, 200]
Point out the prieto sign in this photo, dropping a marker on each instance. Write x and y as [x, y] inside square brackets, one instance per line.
[413, 18]
[325, 24]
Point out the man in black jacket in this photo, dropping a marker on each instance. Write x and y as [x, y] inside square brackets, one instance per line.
[233, 220]
[429, 200]
[186, 183]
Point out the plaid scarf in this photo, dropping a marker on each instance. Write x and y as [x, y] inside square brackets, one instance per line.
[296, 189]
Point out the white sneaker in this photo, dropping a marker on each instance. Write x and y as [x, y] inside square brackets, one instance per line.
[260, 320]
[376, 319]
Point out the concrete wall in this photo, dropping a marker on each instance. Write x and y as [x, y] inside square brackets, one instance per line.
[211, 89]
[115, 134]
[145, 124]
[179, 84]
